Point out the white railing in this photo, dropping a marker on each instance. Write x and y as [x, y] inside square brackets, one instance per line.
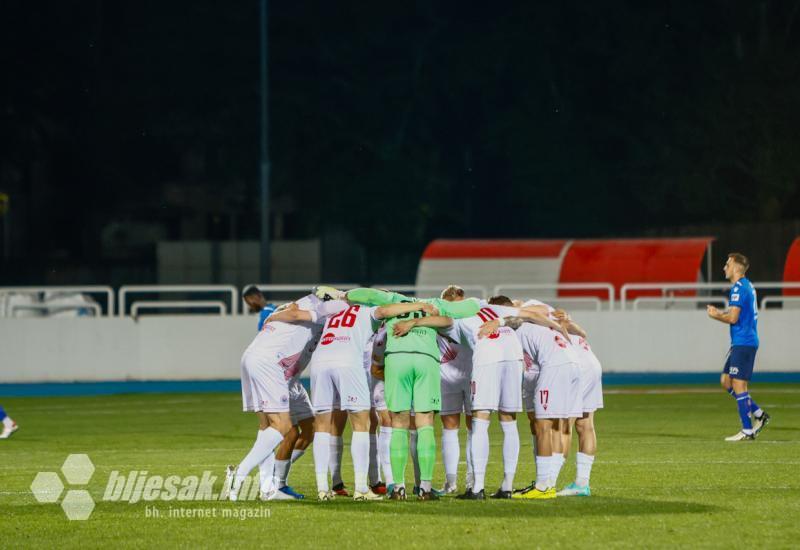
[607, 288]
[124, 291]
[180, 304]
[50, 309]
[106, 291]
[668, 290]
[433, 290]
[667, 300]
[779, 300]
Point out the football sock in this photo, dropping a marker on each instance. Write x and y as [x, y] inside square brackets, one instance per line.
[384, 442]
[398, 451]
[414, 456]
[755, 409]
[374, 466]
[733, 393]
[451, 451]
[7, 422]
[282, 472]
[556, 462]
[266, 441]
[742, 402]
[584, 469]
[510, 453]
[359, 451]
[297, 454]
[3, 415]
[542, 473]
[335, 460]
[322, 454]
[267, 474]
[480, 452]
[470, 469]
[426, 454]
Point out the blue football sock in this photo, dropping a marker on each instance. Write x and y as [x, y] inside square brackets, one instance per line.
[3, 414]
[743, 403]
[733, 393]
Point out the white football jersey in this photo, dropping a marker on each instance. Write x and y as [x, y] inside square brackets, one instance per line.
[500, 346]
[345, 337]
[456, 359]
[287, 343]
[585, 353]
[545, 346]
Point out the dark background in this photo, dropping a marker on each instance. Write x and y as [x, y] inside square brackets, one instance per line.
[126, 123]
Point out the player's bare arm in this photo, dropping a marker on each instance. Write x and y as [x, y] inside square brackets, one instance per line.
[729, 316]
[568, 323]
[402, 328]
[526, 316]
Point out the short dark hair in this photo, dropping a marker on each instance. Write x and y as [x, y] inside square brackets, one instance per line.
[452, 292]
[740, 259]
[252, 290]
[500, 300]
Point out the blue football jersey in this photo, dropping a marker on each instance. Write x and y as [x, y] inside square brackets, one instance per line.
[268, 310]
[745, 331]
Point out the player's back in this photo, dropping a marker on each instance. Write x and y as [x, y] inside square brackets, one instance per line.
[584, 352]
[456, 360]
[346, 336]
[545, 346]
[502, 345]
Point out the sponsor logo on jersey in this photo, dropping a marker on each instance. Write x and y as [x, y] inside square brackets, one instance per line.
[561, 342]
[329, 338]
[494, 336]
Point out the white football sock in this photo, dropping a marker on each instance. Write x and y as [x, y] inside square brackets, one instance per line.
[584, 469]
[266, 441]
[556, 462]
[266, 474]
[7, 422]
[359, 451]
[374, 470]
[510, 453]
[470, 470]
[384, 441]
[282, 472]
[480, 452]
[451, 451]
[297, 454]
[335, 461]
[542, 472]
[412, 447]
[322, 454]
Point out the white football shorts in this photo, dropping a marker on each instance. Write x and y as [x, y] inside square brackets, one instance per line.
[558, 392]
[497, 386]
[334, 386]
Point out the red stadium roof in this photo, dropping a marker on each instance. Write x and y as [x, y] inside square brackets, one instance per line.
[475, 249]
[621, 261]
[791, 270]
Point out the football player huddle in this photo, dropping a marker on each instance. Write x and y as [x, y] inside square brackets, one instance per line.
[388, 363]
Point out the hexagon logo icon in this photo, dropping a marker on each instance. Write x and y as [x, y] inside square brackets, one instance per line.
[78, 504]
[47, 487]
[78, 469]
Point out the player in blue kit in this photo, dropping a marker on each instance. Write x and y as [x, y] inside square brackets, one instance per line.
[742, 316]
[8, 425]
[256, 303]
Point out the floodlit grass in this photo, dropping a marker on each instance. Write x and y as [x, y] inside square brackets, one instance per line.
[663, 477]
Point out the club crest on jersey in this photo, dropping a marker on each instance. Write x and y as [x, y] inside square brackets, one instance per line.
[284, 399]
[494, 336]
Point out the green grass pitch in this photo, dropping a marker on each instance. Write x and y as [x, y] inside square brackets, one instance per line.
[663, 477]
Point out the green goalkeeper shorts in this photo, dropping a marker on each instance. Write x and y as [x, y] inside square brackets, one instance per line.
[412, 378]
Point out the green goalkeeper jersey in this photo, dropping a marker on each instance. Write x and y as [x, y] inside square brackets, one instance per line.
[420, 340]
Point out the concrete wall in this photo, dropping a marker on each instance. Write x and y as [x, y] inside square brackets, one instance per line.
[205, 347]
